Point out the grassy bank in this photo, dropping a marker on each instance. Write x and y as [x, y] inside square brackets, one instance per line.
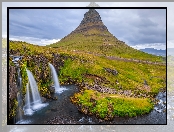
[106, 106]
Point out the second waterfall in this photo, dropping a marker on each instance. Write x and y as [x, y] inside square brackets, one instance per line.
[55, 79]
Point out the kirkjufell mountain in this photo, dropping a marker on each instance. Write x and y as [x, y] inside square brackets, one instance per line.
[91, 29]
[92, 35]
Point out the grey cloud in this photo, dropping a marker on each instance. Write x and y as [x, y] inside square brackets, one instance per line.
[137, 26]
[52, 23]
[131, 26]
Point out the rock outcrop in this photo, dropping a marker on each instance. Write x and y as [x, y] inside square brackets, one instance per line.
[12, 90]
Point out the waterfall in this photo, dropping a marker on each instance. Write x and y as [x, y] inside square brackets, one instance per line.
[55, 79]
[19, 111]
[34, 103]
[28, 108]
[34, 89]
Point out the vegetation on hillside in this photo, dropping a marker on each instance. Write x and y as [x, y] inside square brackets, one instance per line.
[102, 43]
[143, 80]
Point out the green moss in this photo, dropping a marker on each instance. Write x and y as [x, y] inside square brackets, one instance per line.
[107, 106]
[72, 69]
[12, 112]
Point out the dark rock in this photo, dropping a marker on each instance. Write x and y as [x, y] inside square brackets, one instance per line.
[48, 96]
[43, 99]
[114, 72]
[101, 89]
[145, 82]
[12, 83]
[55, 98]
[52, 89]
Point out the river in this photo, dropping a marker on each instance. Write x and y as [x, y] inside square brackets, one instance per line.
[62, 111]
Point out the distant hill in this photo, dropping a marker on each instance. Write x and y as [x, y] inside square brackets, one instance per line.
[154, 51]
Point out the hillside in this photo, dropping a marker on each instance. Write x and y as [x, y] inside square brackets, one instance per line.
[118, 78]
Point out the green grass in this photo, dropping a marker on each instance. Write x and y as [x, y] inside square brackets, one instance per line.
[107, 106]
[131, 75]
[97, 44]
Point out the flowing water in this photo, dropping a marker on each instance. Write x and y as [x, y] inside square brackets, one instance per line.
[33, 100]
[55, 79]
[19, 110]
[34, 89]
[28, 108]
[62, 111]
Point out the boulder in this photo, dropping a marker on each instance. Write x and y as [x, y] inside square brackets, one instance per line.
[113, 72]
[52, 89]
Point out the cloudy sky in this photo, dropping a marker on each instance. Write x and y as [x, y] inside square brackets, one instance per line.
[139, 28]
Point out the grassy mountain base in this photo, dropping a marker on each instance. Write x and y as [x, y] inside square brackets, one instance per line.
[143, 81]
[102, 43]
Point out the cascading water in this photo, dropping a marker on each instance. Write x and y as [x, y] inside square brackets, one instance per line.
[28, 108]
[19, 111]
[35, 103]
[55, 79]
[34, 89]
[33, 100]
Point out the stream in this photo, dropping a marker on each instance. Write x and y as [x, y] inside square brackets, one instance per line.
[62, 111]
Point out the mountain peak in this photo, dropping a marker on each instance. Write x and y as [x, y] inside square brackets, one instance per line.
[91, 20]
[91, 16]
